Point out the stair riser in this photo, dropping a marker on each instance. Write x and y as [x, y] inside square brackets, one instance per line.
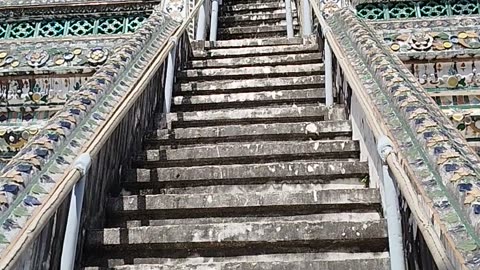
[253, 23]
[143, 218]
[246, 104]
[151, 143]
[249, 73]
[273, 60]
[272, 34]
[246, 160]
[244, 43]
[251, 85]
[214, 53]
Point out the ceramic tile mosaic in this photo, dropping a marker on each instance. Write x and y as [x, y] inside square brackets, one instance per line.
[32, 174]
[445, 169]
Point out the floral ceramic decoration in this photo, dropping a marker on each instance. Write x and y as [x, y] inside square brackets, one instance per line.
[37, 58]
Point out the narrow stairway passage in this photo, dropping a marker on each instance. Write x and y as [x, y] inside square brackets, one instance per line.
[252, 170]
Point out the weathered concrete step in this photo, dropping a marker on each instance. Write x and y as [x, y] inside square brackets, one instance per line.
[252, 85]
[255, 51]
[303, 171]
[256, 42]
[179, 206]
[347, 183]
[250, 72]
[286, 261]
[240, 153]
[265, 115]
[245, 237]
[332, 217]
[251, 7]
[303, 58]
[253, 30]
[256, 132]
[261, 17]
[255, 19]
[249, 99]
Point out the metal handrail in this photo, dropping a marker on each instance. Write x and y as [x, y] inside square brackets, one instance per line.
[35, 225]
[378, 129]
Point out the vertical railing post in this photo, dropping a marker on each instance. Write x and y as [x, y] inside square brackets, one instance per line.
[307, 18]
[288, 8]
[169, 79]
[200, 35]
[214, 21]
[69, 250]
[328, 66]
[392, 209]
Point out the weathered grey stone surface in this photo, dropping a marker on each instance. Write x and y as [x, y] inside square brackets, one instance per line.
[292, 113]
[257, 98]
[260, 18]
[318, 170]
[279, 264]
[251, 85]
[329, 199]
[183, 235]
[248, 8]
[332, 260]
[251, 151]
[219, 73]
[300, 58]
[261, 50]
[256, 31]
[276, 131]
[254, 42]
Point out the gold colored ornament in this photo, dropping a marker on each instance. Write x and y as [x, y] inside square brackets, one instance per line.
[15, 64]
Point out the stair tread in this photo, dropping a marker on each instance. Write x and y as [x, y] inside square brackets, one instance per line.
[316, 169]
[304, 261]
[249, 150]
[241, 72]
[258, 83]
[264, 112]
[257, 60]
[252, 29]
[270, 230]
[280, 96]
[253, 17]
[333, 198]
[255, 42]
[253, 7]
[256, 50]
[254, 131]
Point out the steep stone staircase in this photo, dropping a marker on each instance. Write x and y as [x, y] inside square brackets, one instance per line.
[252, 171]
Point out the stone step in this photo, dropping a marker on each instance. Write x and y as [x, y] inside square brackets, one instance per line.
[264, 115]
[255, 51]
[251, 85]
[347, 183]
[285, 261]
[300, 171]
[270, 235]
[249, 133]
[254, 31]
[250, 72]
[177, 206]
[261, 17]
[249, 152]
[238, 9]
[249, 99]
[334, 217]
[254, 19]
[255, 42]
[302, 58]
